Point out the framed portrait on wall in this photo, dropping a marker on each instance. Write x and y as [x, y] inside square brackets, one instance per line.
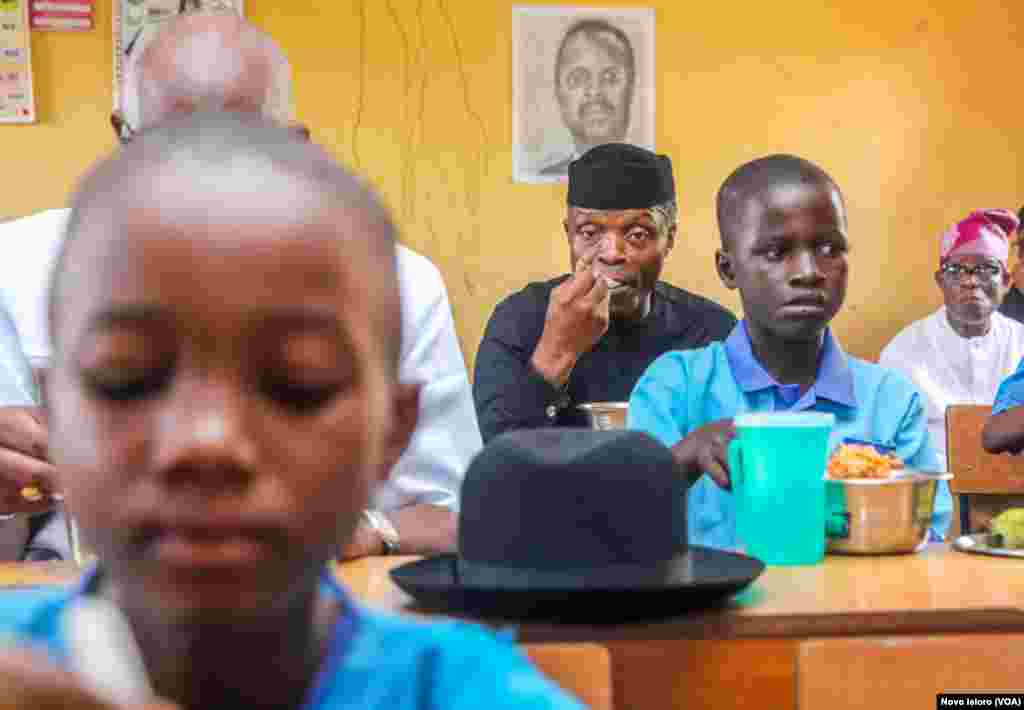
[581, 76]
[135, 20]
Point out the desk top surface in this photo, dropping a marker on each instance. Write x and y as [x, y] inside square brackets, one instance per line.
[936, 590]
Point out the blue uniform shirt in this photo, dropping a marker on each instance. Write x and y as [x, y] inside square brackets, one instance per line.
[374, 660]
[683, 391]
[1011, 391]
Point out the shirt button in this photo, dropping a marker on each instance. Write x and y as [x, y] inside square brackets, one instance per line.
[551, 411]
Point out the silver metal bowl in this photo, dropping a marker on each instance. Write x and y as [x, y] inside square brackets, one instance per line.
[605, 416]
[865, 516]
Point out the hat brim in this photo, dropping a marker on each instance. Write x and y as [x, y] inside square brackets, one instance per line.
[707, 577]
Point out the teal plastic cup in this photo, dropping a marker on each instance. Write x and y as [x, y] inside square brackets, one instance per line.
[777, 469]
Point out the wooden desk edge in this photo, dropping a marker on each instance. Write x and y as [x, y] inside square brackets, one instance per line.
[780, 627]
[699, 625]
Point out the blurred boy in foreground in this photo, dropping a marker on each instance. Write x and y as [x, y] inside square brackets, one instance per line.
[223, 402]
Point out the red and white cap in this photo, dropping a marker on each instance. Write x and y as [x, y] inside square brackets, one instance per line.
[982, 233]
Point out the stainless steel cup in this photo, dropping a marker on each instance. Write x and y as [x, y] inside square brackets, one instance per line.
[880, 516]
[605, 416]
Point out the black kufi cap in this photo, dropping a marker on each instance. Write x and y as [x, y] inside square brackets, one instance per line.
[619, 176]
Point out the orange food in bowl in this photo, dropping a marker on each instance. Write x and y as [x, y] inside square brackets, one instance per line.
[859, 461]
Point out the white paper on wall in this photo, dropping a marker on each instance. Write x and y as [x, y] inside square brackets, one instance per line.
[17, 98]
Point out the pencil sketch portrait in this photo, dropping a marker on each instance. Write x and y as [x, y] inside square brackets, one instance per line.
[581, 77]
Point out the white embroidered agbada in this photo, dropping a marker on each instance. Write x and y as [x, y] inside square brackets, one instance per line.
[950, 369]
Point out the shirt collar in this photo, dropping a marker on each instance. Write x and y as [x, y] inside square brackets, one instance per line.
[342, 634]
[946, 329]
[833, 382]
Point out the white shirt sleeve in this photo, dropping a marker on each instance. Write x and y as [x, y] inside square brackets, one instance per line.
[447, 435]
[31, 247]
[17, 383]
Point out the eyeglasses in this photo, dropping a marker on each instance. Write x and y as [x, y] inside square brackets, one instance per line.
[960, 272]
[122, 128]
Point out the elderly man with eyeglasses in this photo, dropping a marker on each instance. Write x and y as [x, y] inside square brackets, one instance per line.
[960, 353]
[208, 60]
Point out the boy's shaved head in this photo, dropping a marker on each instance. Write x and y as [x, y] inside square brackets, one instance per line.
[237, 170]
[749, 181]
[224, 397]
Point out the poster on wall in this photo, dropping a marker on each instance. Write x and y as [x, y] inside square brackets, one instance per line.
[74, 15]
[135, 21]
[17, 101]
[581, 77]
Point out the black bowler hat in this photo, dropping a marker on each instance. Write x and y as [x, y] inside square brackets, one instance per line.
[620, 176]
[575, 524]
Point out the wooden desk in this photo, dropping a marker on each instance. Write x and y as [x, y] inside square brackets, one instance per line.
[915, 615]
[747, 653]
[935, 590]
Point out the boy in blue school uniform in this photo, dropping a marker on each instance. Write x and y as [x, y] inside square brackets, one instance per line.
[1004, 431]
[784, 247]
[223, 402]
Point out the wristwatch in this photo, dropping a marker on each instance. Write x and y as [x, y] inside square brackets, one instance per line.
[383, 527]
[561, 402]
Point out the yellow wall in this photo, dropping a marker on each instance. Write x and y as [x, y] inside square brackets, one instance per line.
[914, 106]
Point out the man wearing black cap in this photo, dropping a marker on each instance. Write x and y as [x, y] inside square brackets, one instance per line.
[589, 335]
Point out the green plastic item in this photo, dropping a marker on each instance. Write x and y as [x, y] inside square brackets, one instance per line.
[777, 468]
[1010, 526]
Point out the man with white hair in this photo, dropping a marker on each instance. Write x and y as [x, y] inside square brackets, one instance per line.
[961, 352]
[213, 60]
